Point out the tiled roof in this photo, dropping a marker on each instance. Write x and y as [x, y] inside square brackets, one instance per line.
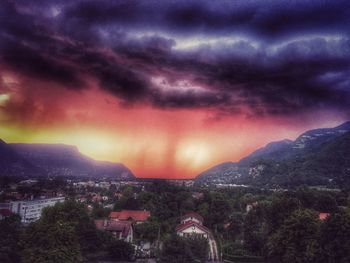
[135, 215]
[114, 215]
[193, 214]
[110, 225]
[323, 216]
[189, 224]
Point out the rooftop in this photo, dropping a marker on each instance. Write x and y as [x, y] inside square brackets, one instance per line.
[110, 225]
[189, 224]
[193, 214]
[135, 215]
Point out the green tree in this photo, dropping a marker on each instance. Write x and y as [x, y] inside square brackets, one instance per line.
[120, 250]
[335, 239]
[120, 203]
[10, 229]
[219, 208]
[326, 203]
[76, 236]
[203, 209]
[50, 242]
[98, 211]
[199, 248]
[296, 240]
[184, 250]
[148, 230]
[279, 209]
[255, 230]
[74, 214]
[235, 227]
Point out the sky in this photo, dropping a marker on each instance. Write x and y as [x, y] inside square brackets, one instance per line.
[171, 88]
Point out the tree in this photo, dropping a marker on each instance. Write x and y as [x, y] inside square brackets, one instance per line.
[10, 229]
[148, 230]
[235, 227]
[326, 203]
[219, 208]
[67, 226]
[120, 203]
[335, 241]
[120, 250]
[98, 211]
[74, 214]
[296, 240]
[279, 209]
[203, 209]
[54, 242]
[199, 248]
[184, 250]
[255, 230]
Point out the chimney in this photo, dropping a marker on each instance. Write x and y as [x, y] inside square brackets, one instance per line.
[105, 222]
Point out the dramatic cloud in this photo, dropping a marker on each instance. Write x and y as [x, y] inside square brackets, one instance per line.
[171, 88]
[232, 57]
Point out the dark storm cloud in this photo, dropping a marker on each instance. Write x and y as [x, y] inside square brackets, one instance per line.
[268, 18]
[289, 57]
[26, 46]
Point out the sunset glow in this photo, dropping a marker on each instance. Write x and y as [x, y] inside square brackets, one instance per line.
[166, 94]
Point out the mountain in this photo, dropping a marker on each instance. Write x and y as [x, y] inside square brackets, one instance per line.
[55, 160]
[12, 163]
[272, 150]
[317, 157]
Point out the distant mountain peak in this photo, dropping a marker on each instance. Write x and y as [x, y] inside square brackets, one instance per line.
[47, 146]
[316, 157]
[345, 126]
[56, 160]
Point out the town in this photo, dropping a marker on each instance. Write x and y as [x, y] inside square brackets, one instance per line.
[174, 131]
[94, 220]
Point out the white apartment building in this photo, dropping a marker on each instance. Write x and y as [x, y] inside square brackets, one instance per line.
[30, 210]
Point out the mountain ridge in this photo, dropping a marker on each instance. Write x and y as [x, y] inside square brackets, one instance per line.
[284, 163]
[55, 160]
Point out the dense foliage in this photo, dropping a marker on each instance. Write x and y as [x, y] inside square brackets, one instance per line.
[120, 250]
[318, 157]
[66, 233]
[10, 230]
[279, 227]
[283, 230]
[184, 250]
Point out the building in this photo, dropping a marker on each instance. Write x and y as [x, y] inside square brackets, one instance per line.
[104, 185]
[5, 213]
[122, 230]
[180, 182]
[5, 205]
[197, 195]
[135, 216]
[250, 207]
[323, 216]
[192, 224]
[120, 224]
[30, 210]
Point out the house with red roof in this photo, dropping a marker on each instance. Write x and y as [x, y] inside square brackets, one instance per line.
[323, 216]
[134, 216]
[120, 223]
[192, 224]
[122, 230]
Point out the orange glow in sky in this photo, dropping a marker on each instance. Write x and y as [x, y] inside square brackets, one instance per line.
[151, 142]
[161, 88]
